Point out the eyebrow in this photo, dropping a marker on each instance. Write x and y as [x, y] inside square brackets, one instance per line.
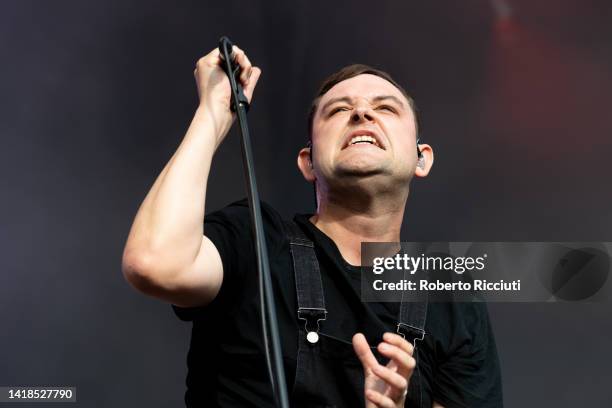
[336, 100]
[349, 100]
[384, 97]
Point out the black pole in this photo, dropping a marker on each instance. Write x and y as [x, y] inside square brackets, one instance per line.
[240, 105]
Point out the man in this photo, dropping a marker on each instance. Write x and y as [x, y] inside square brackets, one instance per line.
[363, 154]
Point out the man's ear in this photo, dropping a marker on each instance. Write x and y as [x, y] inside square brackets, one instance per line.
[304, 162]
[425, 162]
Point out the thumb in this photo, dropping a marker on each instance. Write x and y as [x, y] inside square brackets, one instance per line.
[250, 87]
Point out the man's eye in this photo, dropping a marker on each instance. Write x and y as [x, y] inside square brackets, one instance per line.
[338, 109]
[386, 107]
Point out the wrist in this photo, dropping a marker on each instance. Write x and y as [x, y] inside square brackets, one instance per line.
[217, 124]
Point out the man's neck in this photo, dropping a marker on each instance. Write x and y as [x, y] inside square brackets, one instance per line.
[350, 225]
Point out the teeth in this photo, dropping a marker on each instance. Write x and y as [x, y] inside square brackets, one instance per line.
[363, 138]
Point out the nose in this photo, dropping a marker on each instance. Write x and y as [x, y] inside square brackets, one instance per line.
[362, 114]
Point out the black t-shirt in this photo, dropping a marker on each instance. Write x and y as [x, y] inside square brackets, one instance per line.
[226, 360]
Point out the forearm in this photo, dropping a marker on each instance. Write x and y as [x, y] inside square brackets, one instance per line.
[168, 228]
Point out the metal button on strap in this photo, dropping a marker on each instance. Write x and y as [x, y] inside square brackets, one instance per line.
[312, 337]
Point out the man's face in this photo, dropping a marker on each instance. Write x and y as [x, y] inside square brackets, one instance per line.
[364, 129]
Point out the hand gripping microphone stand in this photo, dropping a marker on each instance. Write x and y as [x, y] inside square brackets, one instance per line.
[240, 105]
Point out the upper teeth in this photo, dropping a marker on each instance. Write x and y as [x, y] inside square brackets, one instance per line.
[363, 138]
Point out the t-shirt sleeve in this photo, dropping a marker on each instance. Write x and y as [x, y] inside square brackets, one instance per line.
[229, 229]
[470, 375]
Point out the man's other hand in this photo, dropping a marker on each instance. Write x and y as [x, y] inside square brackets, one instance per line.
[386, 386]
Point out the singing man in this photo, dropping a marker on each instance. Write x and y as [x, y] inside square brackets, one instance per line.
[361, 156]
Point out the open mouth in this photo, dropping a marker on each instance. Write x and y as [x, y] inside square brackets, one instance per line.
[363, 138]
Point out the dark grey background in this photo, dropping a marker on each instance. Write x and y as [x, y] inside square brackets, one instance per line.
[96, 96]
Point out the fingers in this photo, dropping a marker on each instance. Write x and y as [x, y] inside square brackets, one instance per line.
[249, 75]
[245, 65]
[211, 64]
[397, 385]
[213, 59]
[363, 351]
[392, 378]
[395, 376]
[249, 88]
[379, 399]
[399, 350]
[399, 341]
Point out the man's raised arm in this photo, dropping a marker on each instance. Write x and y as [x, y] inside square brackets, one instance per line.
[166, 254]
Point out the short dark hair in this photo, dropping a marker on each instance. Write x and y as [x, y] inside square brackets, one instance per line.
[348, 72]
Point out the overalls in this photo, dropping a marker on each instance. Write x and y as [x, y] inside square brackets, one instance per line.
[328, 372]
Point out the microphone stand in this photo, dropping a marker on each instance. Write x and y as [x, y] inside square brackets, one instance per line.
[240, 105]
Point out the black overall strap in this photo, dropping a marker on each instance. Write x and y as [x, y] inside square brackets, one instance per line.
[308, 284]
[411, 325]
[412, 315]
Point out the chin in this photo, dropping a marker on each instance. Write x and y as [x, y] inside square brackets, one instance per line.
[364, 179]
[361, 167]
[359, 172]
